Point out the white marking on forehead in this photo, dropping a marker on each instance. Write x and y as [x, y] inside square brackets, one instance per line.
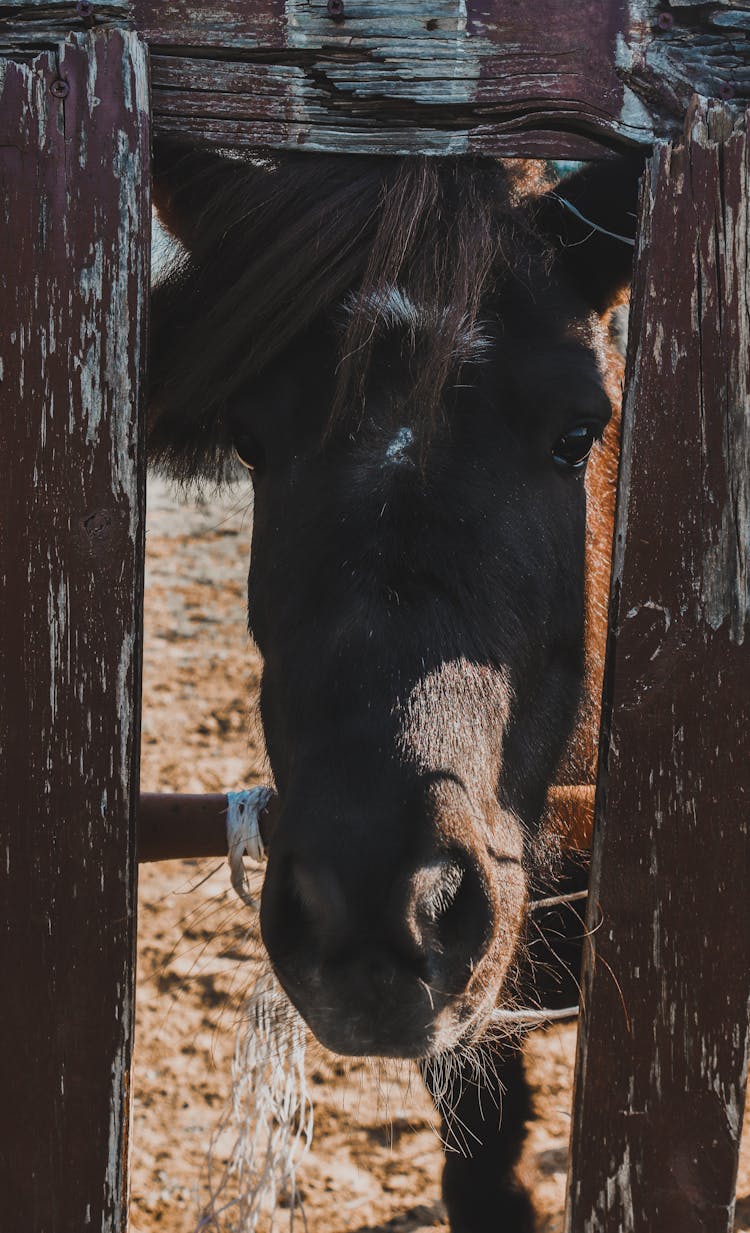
[396, 451]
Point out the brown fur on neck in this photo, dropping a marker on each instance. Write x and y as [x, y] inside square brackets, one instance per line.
[570, 804]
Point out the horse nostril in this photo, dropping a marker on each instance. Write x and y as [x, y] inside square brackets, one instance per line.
[441, 884]
[454, 904]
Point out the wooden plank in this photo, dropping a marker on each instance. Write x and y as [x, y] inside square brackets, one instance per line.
[663, 1048]
[74, 150]
[400, 76]
[229, 25]
[547, 79]
[541, 79]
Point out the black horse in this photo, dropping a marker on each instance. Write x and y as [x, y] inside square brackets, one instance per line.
[411, 356]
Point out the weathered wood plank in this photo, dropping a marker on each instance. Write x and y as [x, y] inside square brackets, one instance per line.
[663, 1046]
[74, 205]
[28, 27]
[492, 76]
[397, 77]
[547, 78]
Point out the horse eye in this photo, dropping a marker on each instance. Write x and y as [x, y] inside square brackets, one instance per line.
[573, 447]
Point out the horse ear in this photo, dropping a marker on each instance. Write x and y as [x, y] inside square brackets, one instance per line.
[189, 186]
[590, 219]
[186, 181]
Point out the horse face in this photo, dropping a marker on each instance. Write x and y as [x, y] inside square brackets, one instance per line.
[417, 579]
[419, 609]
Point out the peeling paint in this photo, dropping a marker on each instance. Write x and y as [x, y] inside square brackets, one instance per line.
[393, 76]
[75, 299]
[675, 777]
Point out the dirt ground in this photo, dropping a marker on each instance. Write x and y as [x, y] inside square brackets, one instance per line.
[375, 1162]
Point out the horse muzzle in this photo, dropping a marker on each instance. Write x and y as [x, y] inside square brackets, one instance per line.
[387, 957]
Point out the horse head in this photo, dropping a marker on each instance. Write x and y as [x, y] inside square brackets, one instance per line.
[412, 358]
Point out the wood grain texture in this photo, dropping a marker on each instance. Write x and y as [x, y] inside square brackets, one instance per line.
[541, 79]
[75, 228]
[33, 25]
[547, 79]
[446, 77]
[663, 1046]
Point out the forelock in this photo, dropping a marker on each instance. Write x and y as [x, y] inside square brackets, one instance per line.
[395, 312]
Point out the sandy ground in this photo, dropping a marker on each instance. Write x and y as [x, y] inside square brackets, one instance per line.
[375, 1163]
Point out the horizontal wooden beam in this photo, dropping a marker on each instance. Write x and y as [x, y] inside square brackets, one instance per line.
[541, 79]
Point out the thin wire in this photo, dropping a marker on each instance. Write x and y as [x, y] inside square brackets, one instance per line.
[613, 235]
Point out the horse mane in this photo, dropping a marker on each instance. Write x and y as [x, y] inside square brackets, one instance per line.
[271, 245]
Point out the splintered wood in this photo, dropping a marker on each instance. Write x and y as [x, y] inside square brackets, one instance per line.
[545, 78]
[74, 204]
[542, 79]
[662, 1063]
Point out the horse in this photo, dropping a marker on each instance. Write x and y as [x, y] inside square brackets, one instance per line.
[412, 357]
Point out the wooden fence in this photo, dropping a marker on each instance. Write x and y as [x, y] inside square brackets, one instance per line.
[663, 1047]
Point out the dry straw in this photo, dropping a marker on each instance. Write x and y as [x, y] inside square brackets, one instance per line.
[268, 1119]
[266, 1128]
